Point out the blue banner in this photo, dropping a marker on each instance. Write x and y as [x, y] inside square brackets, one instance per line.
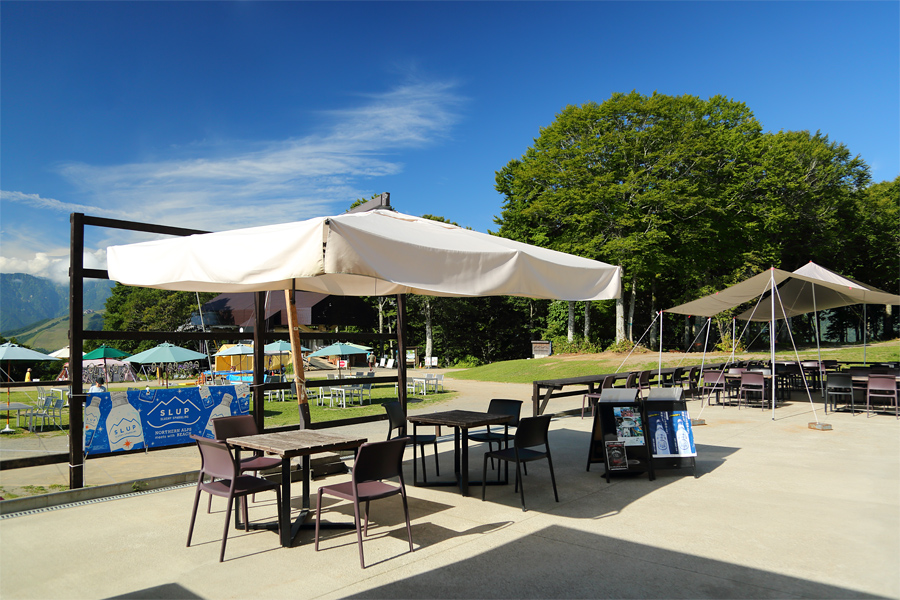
[132, 419]
[671, 434]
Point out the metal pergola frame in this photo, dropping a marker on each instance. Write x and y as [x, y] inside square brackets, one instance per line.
[77, 335]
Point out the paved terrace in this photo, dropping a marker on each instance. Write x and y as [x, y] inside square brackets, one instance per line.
[778, 511]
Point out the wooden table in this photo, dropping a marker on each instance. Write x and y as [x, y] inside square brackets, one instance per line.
[461, 421]
[288, 444]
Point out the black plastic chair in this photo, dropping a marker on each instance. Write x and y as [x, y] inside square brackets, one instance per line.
[532, 432]
[375, 462]
[227, 482]
[677, 379]
[643, 383]
[397, 420]
[225, 428]
[499, 406]
[838, 385]
[694, 382]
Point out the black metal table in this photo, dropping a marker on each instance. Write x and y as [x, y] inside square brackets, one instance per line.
[461, 421]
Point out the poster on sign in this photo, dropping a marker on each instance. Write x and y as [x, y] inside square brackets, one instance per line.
[134, 419]
[671, 434]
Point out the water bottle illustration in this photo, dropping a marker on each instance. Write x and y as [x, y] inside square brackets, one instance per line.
[681, 438]
[222, 410]
[123, 425]
[662, 440]
[206, 396]
[91, 420]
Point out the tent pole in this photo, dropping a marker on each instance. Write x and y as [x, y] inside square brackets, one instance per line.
[818, 343]
[659, 371]
[772, 339]
[865, 362]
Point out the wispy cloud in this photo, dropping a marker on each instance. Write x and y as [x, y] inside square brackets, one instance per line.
[243, 184]
[293, 178]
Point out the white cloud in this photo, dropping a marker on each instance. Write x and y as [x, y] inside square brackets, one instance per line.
[248, 184]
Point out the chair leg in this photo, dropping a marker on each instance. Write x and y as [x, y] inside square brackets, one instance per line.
[194, 515]
[552, 477]
[359, 538]
[484, 476]
[406, 514]
[521, 484]
[366, 528]
[225, 530]
[318, 517]
[437, 466]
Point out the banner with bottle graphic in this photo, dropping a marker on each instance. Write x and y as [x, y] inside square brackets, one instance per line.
[133, 419]
[671, 434]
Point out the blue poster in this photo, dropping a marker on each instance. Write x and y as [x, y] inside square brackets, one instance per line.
[671, 434]
[133, 419]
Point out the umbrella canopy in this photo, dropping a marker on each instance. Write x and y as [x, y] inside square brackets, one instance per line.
[363, 254]
[281, 347]
[10, 351]
[339, 349]
[165, 353]
[105, 351]
[62, 353]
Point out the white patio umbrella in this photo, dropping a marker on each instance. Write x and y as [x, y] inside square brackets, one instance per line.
[372, 253]
[10, 352]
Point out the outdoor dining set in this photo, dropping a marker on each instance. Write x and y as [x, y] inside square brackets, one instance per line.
[377, 471]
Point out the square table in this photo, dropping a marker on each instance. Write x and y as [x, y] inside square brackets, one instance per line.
[461, 421]
[288, 444]
[19, 406]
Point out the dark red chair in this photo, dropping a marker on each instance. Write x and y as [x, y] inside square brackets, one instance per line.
[882, 387]
[227, 482]
[225, 428]
[375, 461]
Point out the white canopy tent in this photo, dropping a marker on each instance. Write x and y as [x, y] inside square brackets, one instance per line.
[372, 253]
[808, 289]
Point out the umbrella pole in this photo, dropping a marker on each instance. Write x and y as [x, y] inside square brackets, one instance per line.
[7, 429]
[296, 355]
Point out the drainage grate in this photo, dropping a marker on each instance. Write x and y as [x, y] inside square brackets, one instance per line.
[44, 509]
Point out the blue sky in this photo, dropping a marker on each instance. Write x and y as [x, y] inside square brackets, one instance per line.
[224, 115]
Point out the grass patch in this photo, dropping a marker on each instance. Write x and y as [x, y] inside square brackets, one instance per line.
[575, 365]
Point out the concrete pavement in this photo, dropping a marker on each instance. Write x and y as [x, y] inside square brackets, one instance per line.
[778, 510]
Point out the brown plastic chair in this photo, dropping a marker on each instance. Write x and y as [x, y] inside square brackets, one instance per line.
[713, 382]
[375, 462]
[531, 432]
[397, 420]
[607, 383]
[632, 380]
[227, 482]
[694, 382]
[225, 428]
[882, 387]
[752, 383]
[643, 383]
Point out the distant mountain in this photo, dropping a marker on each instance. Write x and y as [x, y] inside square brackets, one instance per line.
[26, 299]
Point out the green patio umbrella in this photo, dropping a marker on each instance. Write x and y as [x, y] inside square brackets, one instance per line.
[105, 352]
[340, 349]
[236, 350]
[165, 353]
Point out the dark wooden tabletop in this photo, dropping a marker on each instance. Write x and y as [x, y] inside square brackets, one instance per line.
[299, 442]
[463, 419]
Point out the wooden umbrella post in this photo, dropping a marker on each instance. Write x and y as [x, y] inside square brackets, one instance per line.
[296, 356]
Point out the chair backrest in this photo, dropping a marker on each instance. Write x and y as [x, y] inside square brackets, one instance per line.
[608, 381]
[502, 406]
[632, 379]
[396, 418]
[754, 379]
[694, 375]
[882, 383]
[59, 403]
[379, 460]
[713, 377]
[532, 431]
[677, 374]
[217, 460]
[235, 426]
[644, 380]
[838, 380]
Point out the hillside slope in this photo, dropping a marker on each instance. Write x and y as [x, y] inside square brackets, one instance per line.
[26, 300]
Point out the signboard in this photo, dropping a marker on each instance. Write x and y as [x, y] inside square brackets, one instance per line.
[133, 419]
[671, 434]
[342, 364]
